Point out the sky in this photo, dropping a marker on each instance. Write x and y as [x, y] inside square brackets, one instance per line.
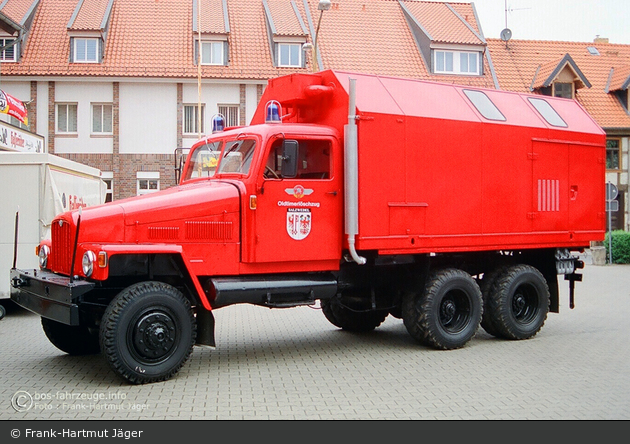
[564, 20]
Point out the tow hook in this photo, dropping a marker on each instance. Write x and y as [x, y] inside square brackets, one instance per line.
[17, 282]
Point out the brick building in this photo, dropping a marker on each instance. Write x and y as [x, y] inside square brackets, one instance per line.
[115, 83]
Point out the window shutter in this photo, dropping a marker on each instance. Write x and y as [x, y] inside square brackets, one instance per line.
[226, 53]
[71, 49]
[196, 52]
[276, 55]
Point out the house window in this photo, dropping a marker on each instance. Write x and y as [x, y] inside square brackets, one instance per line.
[148, 182]
[290, 55]
[213, 53]
[101, 118]
[191, 119]
[66, 118]
[108, 178]
[16, 122]
[564, 90]
[85, 50]
[613, 154]
[456, 62]
[8, 53]
[230, 112]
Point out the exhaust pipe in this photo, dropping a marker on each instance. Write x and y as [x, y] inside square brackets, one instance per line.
[351, 173]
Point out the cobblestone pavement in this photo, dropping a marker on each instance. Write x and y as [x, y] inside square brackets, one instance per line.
[294, 364]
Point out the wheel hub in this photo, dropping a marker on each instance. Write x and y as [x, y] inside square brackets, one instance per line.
[154, 335]
[448, 311]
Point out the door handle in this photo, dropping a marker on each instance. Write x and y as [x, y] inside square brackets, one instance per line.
[334, 193]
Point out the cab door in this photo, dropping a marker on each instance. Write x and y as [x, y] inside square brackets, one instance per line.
[300, 218]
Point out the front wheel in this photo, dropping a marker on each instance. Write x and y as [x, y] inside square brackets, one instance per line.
[148, 332]
[447, 314]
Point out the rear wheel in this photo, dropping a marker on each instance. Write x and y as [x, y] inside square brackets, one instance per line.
[446, 315]
[486, 288]
[148, 332]
[74, 340]
[352, 319]
[519, 302]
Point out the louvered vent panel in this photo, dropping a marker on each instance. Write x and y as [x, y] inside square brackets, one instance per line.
[209, 230]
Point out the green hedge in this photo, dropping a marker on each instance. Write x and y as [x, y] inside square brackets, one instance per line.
[620, 247]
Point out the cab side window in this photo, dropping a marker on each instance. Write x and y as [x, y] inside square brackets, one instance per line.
[313, 160]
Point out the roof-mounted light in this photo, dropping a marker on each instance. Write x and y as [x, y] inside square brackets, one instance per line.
[274, 110]
[218, 123]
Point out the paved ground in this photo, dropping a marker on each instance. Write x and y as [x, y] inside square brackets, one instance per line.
[293, 364]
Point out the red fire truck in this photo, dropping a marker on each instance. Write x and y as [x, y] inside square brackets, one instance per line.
[446, 206]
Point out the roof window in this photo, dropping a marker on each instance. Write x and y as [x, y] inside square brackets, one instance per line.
[547, 112]
[484, 105]
[592, 50]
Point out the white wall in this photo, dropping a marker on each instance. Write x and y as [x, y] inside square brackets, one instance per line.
[148, 118]
[83, 94]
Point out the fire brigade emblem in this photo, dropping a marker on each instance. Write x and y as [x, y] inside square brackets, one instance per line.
[298, 191]
[298, 223]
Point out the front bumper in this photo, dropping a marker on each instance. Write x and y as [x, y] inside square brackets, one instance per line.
[48, 294]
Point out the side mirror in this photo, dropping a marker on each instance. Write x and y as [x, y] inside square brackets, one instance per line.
[289, 158]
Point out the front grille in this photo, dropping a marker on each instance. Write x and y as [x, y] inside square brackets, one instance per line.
[61, 250]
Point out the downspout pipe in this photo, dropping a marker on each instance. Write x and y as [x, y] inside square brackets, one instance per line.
[351, 176]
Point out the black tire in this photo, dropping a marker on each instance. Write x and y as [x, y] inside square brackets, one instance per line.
[74, 340]
[447, 314]
[486, 289]
[349, 319]
[3, 311]
[519, 302]
[148, 332]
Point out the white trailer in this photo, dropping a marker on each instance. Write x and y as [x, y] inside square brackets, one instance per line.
[41, 185]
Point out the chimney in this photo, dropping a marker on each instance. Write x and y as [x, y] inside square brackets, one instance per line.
[599, 39]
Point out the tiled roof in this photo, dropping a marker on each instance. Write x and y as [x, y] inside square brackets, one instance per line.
[284, 18]
[444, 23]
[89, 15]
[517, 63]
[16, 9]
[374, 37]
[153, 38]
[620, 79]
[212, 17]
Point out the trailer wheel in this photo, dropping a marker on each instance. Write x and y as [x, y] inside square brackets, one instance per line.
[447, 314]
[486, 288]
[519, 302]
[348, 319]
[148, 332]
[3, 311]
[74, 340]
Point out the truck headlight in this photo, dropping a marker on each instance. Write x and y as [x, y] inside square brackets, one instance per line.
[44, 252]
[89, 258]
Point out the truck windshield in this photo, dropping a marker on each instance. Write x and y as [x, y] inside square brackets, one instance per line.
[229, 157]
[204, 160]
[237, 156]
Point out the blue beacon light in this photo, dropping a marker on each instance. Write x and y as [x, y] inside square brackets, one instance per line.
[218, 123]
[273, 112]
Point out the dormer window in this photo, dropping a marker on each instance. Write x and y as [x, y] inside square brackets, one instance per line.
[8, 52]
[287, 33]
[559, 78]
[214, 52]
[86, 50]
[88, 29]
[456, 62]
[564, 90]
[289, 55]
